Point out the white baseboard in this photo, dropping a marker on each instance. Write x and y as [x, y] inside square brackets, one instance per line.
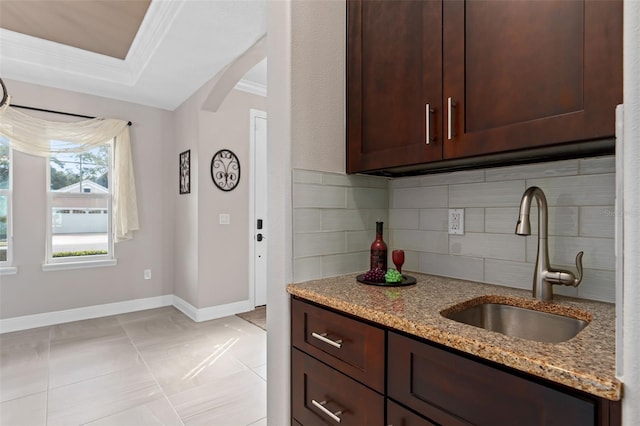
[26, 322]
[59, 317]
[212, 312]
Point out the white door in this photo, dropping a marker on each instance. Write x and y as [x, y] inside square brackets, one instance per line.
[259, 223]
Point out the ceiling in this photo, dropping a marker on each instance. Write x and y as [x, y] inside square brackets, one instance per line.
[150, 52]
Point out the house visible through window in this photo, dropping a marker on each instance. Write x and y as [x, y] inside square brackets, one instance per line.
[5, 202]
[80, 205]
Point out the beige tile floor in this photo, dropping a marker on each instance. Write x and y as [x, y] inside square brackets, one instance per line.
[144, 368]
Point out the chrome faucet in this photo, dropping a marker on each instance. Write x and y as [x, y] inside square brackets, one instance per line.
[544, 277]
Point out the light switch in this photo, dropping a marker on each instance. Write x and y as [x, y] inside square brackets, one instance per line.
[225, 219]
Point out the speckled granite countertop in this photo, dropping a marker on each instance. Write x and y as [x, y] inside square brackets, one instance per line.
[586, 362]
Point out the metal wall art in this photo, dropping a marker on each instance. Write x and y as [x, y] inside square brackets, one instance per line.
[4, 99]
[225, 170]
[185, 172]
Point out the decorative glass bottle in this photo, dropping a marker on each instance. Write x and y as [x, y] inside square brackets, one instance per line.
[379, 250]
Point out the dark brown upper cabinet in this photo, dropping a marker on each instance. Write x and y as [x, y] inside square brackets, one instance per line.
[431, 81]
[394, 69]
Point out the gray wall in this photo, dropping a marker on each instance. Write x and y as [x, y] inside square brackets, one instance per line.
[213, 262]
[306, 130]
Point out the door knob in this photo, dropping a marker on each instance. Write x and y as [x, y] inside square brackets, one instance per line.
[259, 237]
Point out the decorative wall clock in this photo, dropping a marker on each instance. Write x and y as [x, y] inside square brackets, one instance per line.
[225, 170]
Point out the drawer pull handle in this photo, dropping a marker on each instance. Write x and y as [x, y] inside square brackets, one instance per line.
[428, 112]
[321, 404]
[451, 131]
[323, 338]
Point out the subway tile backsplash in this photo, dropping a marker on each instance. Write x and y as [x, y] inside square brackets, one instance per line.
[596, 222]
[334, 219]
[488, 194]
[582, 190]
[492, 246]
[334, 223]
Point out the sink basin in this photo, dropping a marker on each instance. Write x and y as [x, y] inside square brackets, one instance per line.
[519, 322]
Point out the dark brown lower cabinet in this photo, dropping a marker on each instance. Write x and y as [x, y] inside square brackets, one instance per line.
[323, 396]
[424, 383]
[397, 415]
[360, 353]
[452, 389]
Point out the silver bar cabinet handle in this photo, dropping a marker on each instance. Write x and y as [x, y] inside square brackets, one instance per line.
[427, 112]
[321, 404]
[323, 338]
[451, 104]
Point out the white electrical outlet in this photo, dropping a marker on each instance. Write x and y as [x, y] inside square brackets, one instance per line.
[456, 221]
[225, 219]
[147, 274]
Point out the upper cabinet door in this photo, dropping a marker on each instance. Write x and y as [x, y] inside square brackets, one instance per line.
[394, 70]
[523, 74]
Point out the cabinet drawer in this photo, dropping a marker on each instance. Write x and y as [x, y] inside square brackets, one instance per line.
[316, 385]
[397, 415]
[438, 383]
[353, 347]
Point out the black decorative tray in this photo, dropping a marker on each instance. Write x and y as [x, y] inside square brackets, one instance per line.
[406, 280]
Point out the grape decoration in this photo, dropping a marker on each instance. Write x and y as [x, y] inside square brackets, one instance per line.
[374, 276]
[390, 277]
[225, 170]
[393, 276]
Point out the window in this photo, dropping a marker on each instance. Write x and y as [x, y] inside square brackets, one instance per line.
[80, 205]
[100, 149]
[5, 203]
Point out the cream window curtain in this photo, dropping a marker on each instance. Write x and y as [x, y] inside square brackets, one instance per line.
[33, 135]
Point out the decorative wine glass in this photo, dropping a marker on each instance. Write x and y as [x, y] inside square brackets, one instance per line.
[398, 259]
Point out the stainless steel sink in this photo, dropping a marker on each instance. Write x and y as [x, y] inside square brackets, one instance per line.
[519, 322]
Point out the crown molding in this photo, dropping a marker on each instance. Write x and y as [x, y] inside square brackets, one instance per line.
[43, 53]
[251, 87]
[154, 28]
[55, 57]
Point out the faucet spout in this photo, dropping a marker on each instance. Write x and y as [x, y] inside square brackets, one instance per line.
[544, 276]
[523, 227]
